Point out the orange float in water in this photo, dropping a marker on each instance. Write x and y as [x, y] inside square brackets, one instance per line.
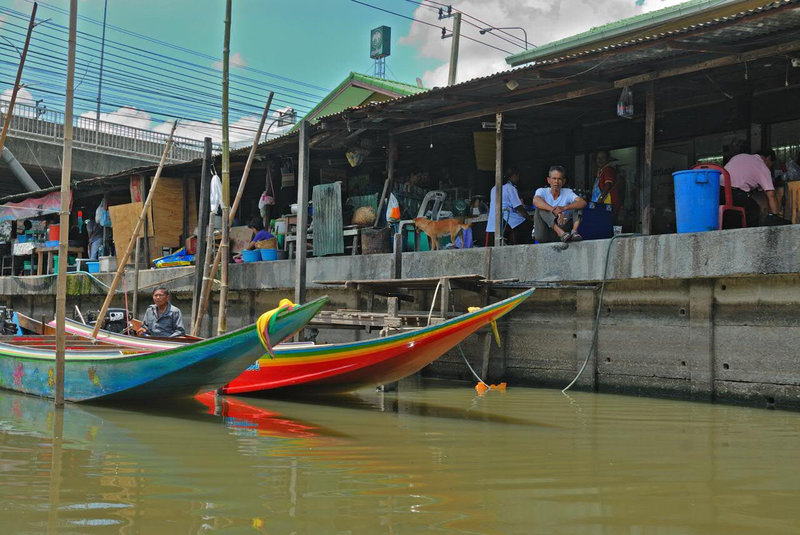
[481, 388]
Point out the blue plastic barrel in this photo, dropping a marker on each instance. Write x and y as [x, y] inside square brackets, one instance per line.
[251, 255]
[696, 200]
[269, 254]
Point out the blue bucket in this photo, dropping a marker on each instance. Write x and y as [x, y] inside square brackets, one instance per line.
[269, 254]
[251, 255]
[696, 200]
[93, 267]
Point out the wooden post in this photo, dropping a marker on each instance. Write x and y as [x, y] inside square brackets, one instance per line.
[387, 185]
[304, 155]
[136, 260]
[122, 261]
[498, 180]
[398, 257]
[647, 173]
[15, 90]
[63, 243]
[202, 222]
[185, 222]
[208, 279]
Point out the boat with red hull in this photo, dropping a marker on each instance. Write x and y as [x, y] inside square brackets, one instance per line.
[326, 368]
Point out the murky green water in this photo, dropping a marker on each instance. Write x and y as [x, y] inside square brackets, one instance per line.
[433, 458]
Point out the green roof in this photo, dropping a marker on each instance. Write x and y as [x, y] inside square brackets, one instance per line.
[355, 90]
[618, 29]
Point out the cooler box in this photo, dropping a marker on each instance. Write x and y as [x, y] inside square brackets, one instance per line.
[597, 222]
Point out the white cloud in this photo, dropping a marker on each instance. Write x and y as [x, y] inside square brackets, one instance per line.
[241, 131]
[24, 97]
[544, 22]
[236, 60]
[126, 115]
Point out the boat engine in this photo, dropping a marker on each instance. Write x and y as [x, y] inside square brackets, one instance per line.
[7, 325]
[116, 319]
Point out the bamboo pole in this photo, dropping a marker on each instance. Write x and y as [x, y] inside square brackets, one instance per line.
[208, 278]
[224, 246]
[10, 111]
[63, 242]
[124, 259]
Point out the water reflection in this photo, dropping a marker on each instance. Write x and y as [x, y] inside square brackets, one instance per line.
[430, 458]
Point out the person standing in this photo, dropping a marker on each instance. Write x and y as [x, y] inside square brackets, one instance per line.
[95, 238]
[517, 221]
[556, 206]
[606, 189]
[162, 318]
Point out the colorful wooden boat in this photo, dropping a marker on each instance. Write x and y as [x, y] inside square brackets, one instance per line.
[109, 372]
[348, 366]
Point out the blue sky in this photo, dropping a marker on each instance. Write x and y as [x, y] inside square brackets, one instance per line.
[160, 55]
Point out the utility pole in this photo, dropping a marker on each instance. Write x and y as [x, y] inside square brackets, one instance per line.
[456, 35]
[100, 80]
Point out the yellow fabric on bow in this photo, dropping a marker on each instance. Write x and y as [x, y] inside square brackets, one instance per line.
[267, 320]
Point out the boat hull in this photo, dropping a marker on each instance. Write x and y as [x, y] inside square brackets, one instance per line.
[180, 371]
[350, 366]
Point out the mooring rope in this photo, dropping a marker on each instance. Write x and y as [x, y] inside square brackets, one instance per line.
[599, 307]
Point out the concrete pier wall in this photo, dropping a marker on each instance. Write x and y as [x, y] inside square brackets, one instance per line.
[708, 316]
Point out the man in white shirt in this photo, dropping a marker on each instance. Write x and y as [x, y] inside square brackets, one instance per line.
[556, 210]
[516, 220]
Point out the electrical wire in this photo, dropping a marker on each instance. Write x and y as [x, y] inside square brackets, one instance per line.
[428, 24]
[485, 24]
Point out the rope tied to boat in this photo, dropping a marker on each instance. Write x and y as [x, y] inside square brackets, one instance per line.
[267, 320]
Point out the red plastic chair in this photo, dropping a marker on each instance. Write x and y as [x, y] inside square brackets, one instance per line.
[728, 206]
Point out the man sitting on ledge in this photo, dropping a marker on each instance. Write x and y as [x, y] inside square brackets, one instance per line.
[556, 218]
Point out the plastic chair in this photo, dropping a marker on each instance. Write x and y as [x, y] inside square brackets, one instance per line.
[728, 206]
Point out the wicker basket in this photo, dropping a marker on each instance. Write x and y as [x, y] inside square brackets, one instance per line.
[271, 243]
[364, 215]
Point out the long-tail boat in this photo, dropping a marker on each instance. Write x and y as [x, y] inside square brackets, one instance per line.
[111, 371]
[318, 368]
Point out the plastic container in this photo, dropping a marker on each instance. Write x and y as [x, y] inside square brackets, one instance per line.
[251, 255]
[50, 243]
[54, 233]
[268, 254]
[70, 262]
[22, 238]
[696, 200]
[93, 267]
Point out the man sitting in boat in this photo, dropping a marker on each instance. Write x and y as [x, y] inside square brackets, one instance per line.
[162, 318]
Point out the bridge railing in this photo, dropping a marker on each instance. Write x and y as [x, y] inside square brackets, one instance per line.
[40, 124]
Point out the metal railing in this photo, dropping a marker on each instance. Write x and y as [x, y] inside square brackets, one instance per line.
[40, 124]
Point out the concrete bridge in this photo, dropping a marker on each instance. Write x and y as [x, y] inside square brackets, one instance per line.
[36, 138]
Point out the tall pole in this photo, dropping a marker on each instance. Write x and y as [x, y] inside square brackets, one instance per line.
[646, 191]
[10, 111]
[498, 179]
[123, 260]
[63, 242]
[202, 221]
[222, 323]
[100, 80]
[451, 79]
[304, 155]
